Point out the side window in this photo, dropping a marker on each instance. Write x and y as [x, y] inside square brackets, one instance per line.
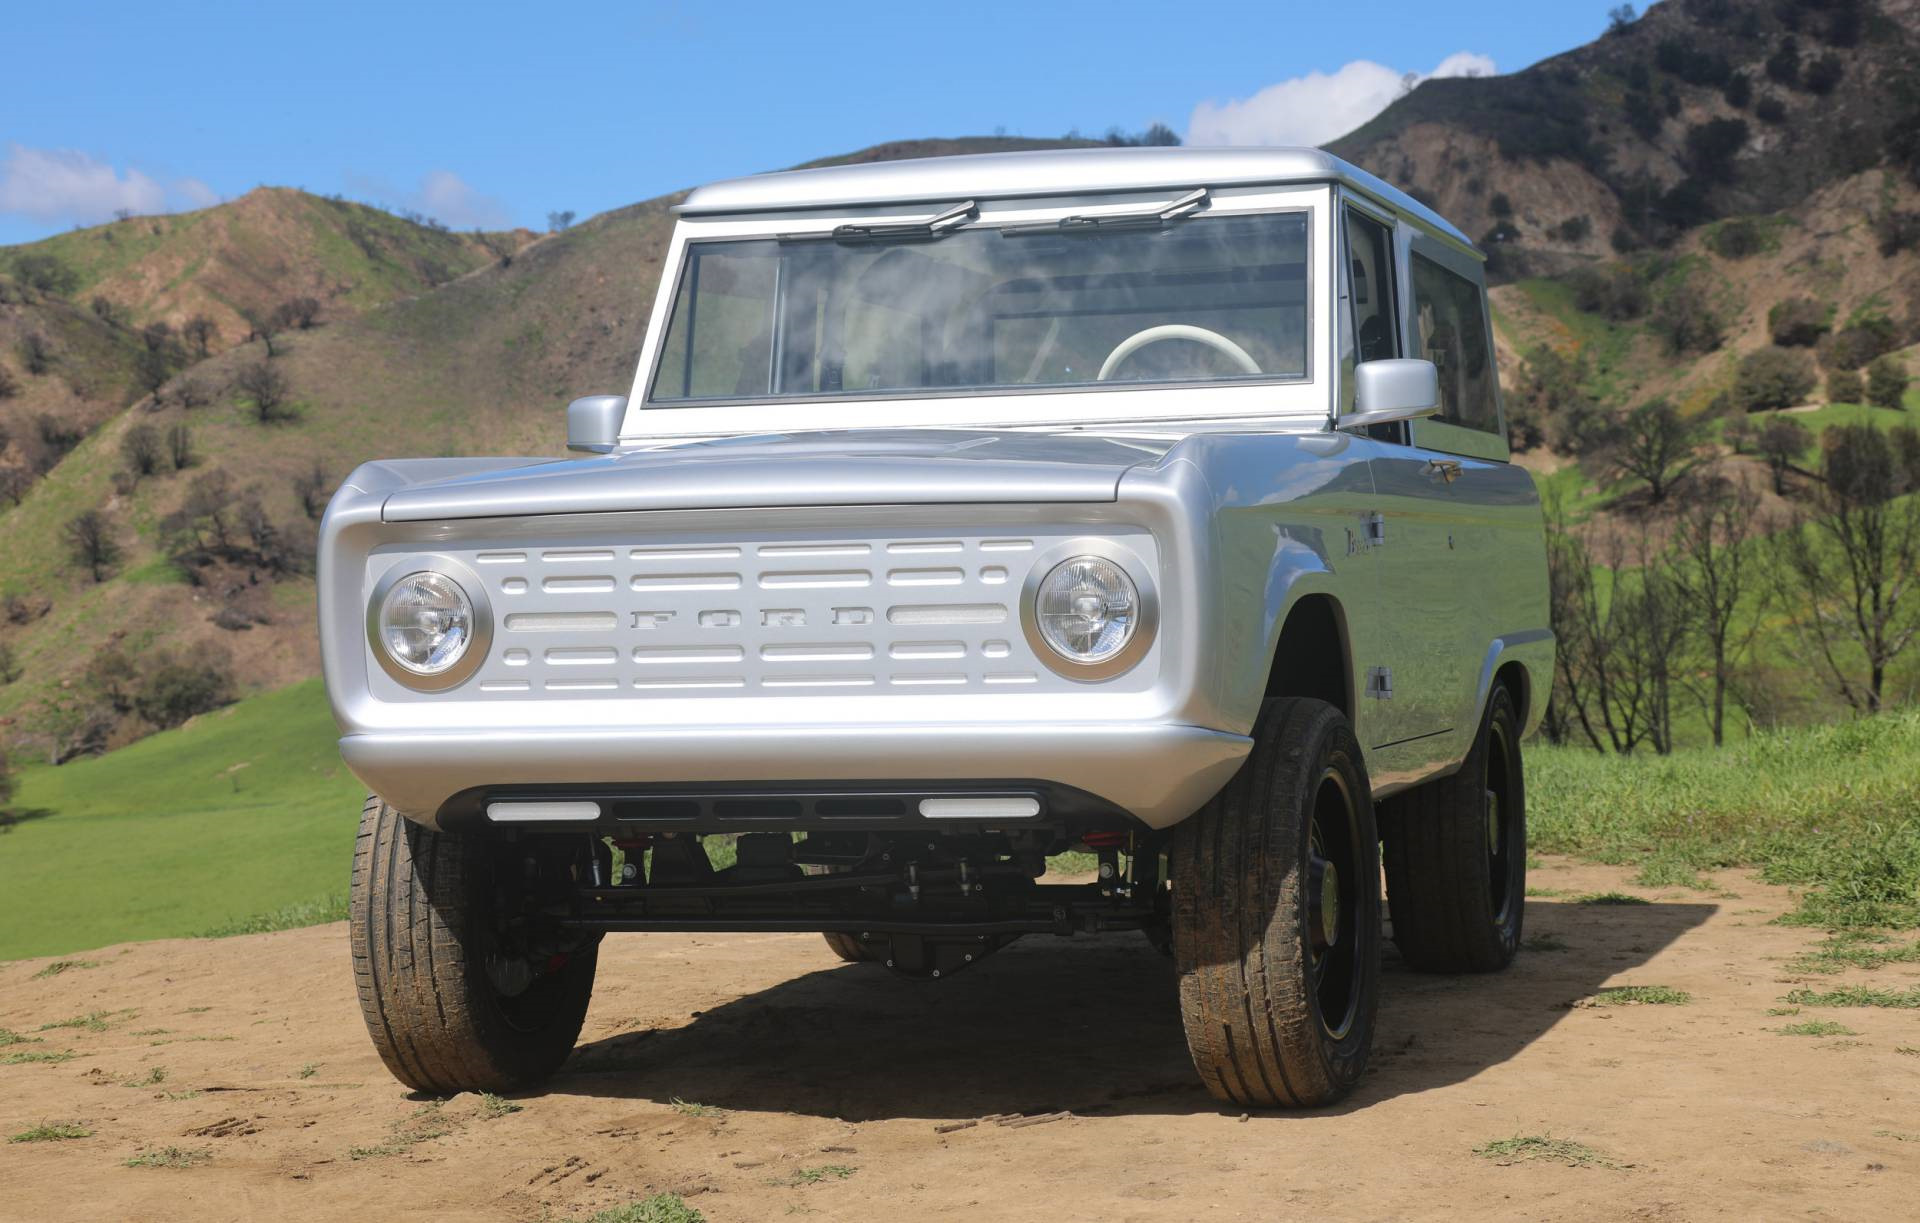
[721, 330]
[1370, 288]
[1452, 333]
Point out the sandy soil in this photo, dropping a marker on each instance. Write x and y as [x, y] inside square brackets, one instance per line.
[802, 1064]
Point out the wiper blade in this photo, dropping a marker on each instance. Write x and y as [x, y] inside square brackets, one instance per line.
[1151, 218]
[937, 226]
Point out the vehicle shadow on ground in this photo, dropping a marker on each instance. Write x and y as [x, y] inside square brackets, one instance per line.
[1090, 1024]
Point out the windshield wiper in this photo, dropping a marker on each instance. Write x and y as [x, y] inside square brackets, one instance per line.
[1150, 218]
[937, 226]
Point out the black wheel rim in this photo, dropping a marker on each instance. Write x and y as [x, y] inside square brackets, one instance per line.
[1333, 919]
[1502, 818]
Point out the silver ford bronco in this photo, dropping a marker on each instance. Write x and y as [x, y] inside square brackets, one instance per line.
[1151, 505]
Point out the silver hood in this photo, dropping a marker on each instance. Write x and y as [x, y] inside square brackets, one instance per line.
[864, 467]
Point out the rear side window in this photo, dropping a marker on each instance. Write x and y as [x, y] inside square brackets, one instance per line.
[1451, 332]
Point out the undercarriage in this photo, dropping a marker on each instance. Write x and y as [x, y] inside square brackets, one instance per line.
[924, 902]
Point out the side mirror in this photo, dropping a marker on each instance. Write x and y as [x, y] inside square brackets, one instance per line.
[593, 423]
[1392, 389]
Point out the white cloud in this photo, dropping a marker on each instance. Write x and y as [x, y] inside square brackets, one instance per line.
[1320, 106]
[442, 196]
[69, 185]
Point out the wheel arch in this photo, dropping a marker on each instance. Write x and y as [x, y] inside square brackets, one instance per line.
[1312, 651]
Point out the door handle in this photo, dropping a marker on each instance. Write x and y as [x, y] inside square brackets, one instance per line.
[1447, 469]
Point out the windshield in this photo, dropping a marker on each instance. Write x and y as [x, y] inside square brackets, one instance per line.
[1205, 300]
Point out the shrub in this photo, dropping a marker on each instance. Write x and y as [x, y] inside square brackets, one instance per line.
[1798, 322]
[1686, 320]
[1783, 66]
[1575, 229]
[173, 688]
[1895, 231]
[1738, 238]
[180, 446]
[44, 274]
[1859, 342]
[1823, 74]
[9, 385]
[1845, 386]
[1772, 378]
[1711, 147]
[1770, 110]
[1618, 293]
[140, 447]
[1500, 206]
[1738, 91]
[1887, 382]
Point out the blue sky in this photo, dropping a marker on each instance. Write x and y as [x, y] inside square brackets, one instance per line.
[494, 115]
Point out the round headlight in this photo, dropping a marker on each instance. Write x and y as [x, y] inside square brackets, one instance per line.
[426, 623]
[1087, 609]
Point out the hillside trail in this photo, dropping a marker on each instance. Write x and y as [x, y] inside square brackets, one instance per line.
[758, 1077]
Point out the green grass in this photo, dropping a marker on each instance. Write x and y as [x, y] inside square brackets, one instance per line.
[1831, 810]
[10, 1037]
[491, 1106]
[660, 1208]
[217, 850]
[1609, 898]
[21, 1057]
[92, 1021]
[688, 1108]
[1816, 1027]
[52, 1131]
[1857, 995]
[171, 1157]
[1855, 949]
[58, 966]
[813, 1176]
[1523, 1148]
[152, 1078]
[1642, 995]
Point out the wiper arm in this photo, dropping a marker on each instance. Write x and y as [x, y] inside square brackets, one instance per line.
[937, 226]
[1151, 218]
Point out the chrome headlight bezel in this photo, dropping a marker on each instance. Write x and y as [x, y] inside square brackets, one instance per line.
[478, 643]
[1147, 622]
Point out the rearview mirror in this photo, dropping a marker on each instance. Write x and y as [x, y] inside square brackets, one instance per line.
[1392, 389]
[593, 423]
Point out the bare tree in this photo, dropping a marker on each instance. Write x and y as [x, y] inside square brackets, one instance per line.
[559, 222]
[153, 367]
[189, 392]
[36, 353]
[140, 447]
[180, 446]
[1848, 569]
[1718, 579]
[1600, 687]
[313, 488]
[9, 385]
[200, 331]
[1657, 444]
[91, 540]
[15, 480]
[265, 325]
[264, 384]
[301, 312]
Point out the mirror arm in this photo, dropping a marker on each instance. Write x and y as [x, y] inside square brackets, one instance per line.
[1385, 416]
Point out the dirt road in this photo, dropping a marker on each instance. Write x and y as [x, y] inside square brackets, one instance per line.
[758, 1077]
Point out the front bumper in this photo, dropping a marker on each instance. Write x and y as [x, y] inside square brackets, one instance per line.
[1158, 773]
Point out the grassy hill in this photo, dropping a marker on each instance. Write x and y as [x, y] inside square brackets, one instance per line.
[248, 256]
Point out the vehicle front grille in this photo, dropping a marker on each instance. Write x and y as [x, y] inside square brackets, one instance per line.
[704, 618]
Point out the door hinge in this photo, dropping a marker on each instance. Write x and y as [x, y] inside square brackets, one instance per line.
[1380, 683]
[1376, 529]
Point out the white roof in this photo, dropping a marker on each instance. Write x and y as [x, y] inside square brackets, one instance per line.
[1049, 172]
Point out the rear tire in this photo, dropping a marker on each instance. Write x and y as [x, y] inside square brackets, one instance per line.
[424, 930]
[1456, 855]
[1276, 917]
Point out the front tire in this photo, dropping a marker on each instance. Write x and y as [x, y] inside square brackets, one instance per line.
[453, 1001]
[1456, 855]
[1276, 917]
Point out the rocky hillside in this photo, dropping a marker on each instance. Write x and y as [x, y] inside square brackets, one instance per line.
[1698, 110]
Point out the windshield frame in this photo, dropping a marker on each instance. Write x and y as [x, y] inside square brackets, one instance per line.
[1296, 398]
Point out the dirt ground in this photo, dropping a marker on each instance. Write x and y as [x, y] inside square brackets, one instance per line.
[758, 1077]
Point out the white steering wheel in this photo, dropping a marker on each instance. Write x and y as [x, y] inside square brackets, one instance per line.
[1176, 331]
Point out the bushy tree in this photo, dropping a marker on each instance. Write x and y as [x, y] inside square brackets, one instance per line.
[1845, 386]
[1618, 292]
[1859, 342]
[1687, 321]
[1887, 382]
[1772, 378]
[1781, 442]
[1798, 322]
